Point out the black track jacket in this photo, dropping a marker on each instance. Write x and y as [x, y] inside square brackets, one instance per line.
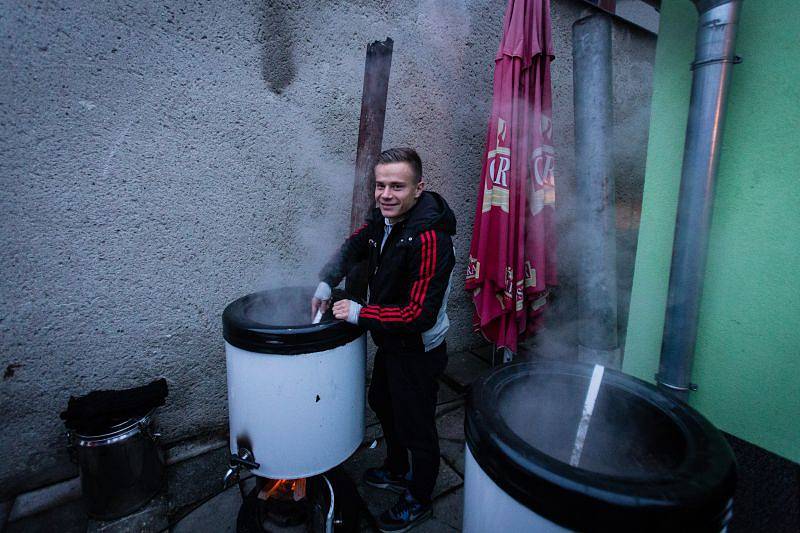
[408, 280]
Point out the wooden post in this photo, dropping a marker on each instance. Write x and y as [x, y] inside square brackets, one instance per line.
[370, 139]
[370, 128]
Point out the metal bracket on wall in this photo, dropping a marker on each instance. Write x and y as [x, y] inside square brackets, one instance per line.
[697, 64]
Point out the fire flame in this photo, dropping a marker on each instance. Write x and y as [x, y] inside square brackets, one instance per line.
[285, 488]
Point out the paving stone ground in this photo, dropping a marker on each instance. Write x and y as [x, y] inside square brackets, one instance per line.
[463, 368]
[451, 438]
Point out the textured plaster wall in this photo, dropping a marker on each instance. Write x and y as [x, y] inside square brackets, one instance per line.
[746, 361]
[160, 159]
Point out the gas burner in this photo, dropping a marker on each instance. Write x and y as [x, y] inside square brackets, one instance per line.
[285, 513]
[326, 503]
[285, 502]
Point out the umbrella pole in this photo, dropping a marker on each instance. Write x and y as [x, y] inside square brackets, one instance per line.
[501, 355]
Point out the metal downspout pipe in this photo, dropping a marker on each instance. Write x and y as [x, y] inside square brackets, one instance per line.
[712, 67]
[596, 223]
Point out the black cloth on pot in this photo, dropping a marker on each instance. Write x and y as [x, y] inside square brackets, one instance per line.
[102, 409]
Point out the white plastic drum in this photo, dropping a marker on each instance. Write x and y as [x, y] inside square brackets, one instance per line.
[295, 393]
[488, 508]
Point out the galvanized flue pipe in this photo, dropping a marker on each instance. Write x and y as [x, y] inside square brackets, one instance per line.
[714, 57]
[597, 272]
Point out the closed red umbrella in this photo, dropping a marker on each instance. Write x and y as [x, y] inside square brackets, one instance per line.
[512, 257]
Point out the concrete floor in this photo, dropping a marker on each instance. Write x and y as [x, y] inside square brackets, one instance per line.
[219, 513]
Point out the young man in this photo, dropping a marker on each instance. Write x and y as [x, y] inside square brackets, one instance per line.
[407, 244]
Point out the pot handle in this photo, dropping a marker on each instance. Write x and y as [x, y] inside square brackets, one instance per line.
[144, 428]
[72, 449]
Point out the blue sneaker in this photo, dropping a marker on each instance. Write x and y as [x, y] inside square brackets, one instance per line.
[405, 514]
[383, 478]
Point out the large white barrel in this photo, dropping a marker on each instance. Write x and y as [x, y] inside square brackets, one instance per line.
[295, 392]
[487, 507]
[648, 462]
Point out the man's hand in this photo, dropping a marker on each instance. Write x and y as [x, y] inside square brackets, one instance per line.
[341, 309]
[318, 304]
[347, 310]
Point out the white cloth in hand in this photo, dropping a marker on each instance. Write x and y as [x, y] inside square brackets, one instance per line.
[323, 291]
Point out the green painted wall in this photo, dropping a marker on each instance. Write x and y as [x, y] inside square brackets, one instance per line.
[747, 359]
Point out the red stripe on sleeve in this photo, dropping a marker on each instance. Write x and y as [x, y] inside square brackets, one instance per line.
[356, 232]
[422, 263]
[419, 290]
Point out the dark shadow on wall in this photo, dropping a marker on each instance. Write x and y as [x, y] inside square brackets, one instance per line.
[275, 37]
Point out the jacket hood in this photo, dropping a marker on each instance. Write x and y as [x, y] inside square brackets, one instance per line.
[431, 212]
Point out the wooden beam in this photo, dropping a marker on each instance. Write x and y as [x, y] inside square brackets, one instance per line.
[370, 140]
[370, 129]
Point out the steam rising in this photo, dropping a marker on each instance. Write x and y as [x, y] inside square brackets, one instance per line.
[287, 306]
[628, 436]
[316, 216]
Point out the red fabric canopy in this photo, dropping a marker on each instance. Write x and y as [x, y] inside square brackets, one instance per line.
[512, 257]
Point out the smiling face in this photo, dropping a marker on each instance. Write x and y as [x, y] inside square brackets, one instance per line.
[396, 189]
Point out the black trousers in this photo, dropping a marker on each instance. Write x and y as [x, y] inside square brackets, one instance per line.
[403, 394]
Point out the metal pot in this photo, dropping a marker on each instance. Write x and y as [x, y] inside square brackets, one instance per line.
[121, 469]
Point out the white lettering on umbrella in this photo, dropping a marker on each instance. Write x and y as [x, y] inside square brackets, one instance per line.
[541, 191]
[499, 175]
[496, 193]
[543, 162]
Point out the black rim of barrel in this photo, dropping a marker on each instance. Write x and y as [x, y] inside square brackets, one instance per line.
[246, 334]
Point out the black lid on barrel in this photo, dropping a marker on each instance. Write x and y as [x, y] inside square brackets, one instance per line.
[278, 321]
[649, 461]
